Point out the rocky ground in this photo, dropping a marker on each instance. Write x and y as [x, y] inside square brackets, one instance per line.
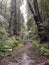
[27, 55]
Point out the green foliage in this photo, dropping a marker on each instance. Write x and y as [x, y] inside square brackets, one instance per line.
[33, 28]
[6, 44]
[44, 51]
[44, 48]
[3, 34]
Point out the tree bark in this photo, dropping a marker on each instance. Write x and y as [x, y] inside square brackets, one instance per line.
[13, 24]
[1, 7]
[38, 20]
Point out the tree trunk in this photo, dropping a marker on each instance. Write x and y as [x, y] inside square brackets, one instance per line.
[1, 7]
[13, 24]
[38, 20]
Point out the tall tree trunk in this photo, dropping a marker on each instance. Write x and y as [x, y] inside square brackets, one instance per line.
[38, 20]
[5, 9]
[13, 24]
[1, 7]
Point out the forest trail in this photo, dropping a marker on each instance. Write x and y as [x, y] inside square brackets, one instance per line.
[27, 55]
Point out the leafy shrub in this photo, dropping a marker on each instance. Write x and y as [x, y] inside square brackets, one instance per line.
[44, 48]
[6, 44]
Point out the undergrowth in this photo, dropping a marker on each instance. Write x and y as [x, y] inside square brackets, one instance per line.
[8, 44]
[43, 48]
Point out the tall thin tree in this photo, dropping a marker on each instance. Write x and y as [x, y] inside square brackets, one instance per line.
[1, 6]
[13, 24]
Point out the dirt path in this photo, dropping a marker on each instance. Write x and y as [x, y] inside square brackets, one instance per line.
[28, 55]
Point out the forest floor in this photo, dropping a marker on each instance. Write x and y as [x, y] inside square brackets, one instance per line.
[27, 55]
